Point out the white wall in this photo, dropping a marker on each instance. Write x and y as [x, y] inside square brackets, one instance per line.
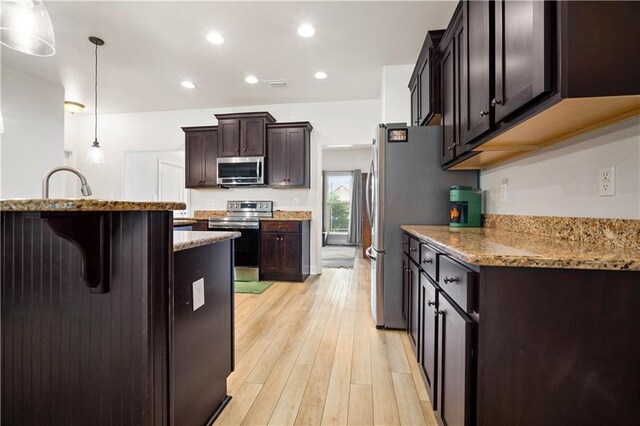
[395, 98]
[342, 159]
[563, 180]
[334, 123]
[33, 138]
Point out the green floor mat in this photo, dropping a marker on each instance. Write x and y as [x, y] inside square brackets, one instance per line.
[253, 287]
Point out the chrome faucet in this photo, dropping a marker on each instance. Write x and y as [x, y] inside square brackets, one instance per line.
[84, 186]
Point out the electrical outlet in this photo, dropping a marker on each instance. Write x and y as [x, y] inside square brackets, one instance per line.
[503, 189]
[295, 201]
[607, 182]
[198, 293]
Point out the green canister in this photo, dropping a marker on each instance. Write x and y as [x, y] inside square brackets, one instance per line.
[466, 205]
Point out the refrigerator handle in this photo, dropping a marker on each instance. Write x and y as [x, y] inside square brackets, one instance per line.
[368, 193]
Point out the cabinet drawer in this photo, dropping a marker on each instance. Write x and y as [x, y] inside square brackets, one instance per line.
[458, 282]
[414, 250]
[429, 261]
[271, 226]
[405, 243]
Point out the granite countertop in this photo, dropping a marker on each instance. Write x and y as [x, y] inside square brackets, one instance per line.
[184, 222]
[85, 204]
[183, 240]
[278, 215]
[497, 247]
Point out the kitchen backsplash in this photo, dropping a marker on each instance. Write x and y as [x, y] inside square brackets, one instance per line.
[611, 232]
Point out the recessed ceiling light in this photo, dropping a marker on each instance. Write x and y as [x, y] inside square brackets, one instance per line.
[215, 38]
[188, 85]
[73, 107]
[251, 79]
[306, 30]
[320, 75]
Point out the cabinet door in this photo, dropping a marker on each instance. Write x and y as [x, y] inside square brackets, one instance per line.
[194, 163]
[415, 104]
[476, 80]
[406, 290]
[296, 157]
[269, 253]
[414, 322]
[447, 99]
[426, 96]
[277, 156]
[210, 145]
[290, 253]
[459, 49]
[522, 54]
[229, 138]
[252, 137]
[454, 357]
[428, 341]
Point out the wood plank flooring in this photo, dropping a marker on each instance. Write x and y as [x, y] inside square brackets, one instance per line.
[309, 354]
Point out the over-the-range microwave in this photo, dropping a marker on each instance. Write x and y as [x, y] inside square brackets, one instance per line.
[241, 171]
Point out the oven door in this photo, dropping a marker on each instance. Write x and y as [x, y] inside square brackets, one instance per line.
[246, 249]
[240, 171]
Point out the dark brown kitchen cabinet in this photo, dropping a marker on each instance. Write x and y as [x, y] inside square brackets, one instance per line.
[406, 289]
[522, 53]
[428, 336]
[450, 86]
[201, 154]
[475, 76]
[243, 134]
[284, 250]
[455, 367]
[414, 314]
[424, 83]
[289, 154]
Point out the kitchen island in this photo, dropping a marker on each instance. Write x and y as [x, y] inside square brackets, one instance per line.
[97, 325]
[512, 328]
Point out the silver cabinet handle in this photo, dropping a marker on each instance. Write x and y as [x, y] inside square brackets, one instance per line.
[412, 249]
[451, 148]
[450, 280]
[404, 243]
[495, 102]
[440, 312]
[483, 113]
[430, 303]
[427, 261]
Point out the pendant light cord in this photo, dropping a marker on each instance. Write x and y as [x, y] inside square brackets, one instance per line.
[96, 100]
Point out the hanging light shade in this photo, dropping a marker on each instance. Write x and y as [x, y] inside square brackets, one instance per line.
[25, 26]
[95, 153]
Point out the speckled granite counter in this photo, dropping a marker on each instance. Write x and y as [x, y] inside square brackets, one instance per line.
[184, 240]
[496, 247]
[85, 204]
[184, 222]
[279, 215]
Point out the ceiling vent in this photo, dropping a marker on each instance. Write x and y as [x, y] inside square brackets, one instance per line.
[277, 84]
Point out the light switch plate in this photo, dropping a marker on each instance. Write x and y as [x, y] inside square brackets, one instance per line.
[504, 186]
[198, 293]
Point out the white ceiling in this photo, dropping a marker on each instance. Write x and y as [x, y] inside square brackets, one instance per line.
[152, 46]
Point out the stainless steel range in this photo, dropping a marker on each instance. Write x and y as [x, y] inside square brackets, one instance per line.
[244, 217]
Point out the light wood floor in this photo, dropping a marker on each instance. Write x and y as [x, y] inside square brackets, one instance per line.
[308, 353]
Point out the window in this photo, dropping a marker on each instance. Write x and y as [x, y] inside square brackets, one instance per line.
[338, 201]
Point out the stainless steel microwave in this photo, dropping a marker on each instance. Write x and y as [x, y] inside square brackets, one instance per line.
[241, 171]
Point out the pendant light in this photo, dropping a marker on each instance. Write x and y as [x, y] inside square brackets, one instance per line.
[95, 153]
[25, 26]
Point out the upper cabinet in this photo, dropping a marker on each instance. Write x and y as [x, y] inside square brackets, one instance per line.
[243, 134]
[288, 154]
[517, 76]
[424, 83]
[201, 154]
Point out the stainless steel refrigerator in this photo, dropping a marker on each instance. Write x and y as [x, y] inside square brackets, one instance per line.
[406, 185]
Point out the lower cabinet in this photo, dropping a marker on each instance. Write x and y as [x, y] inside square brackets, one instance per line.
[454, 354]
[414, 323]
[429, 342]
[284, 250]
[406, 289]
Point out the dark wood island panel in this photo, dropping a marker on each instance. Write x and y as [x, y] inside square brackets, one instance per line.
[71, 356]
